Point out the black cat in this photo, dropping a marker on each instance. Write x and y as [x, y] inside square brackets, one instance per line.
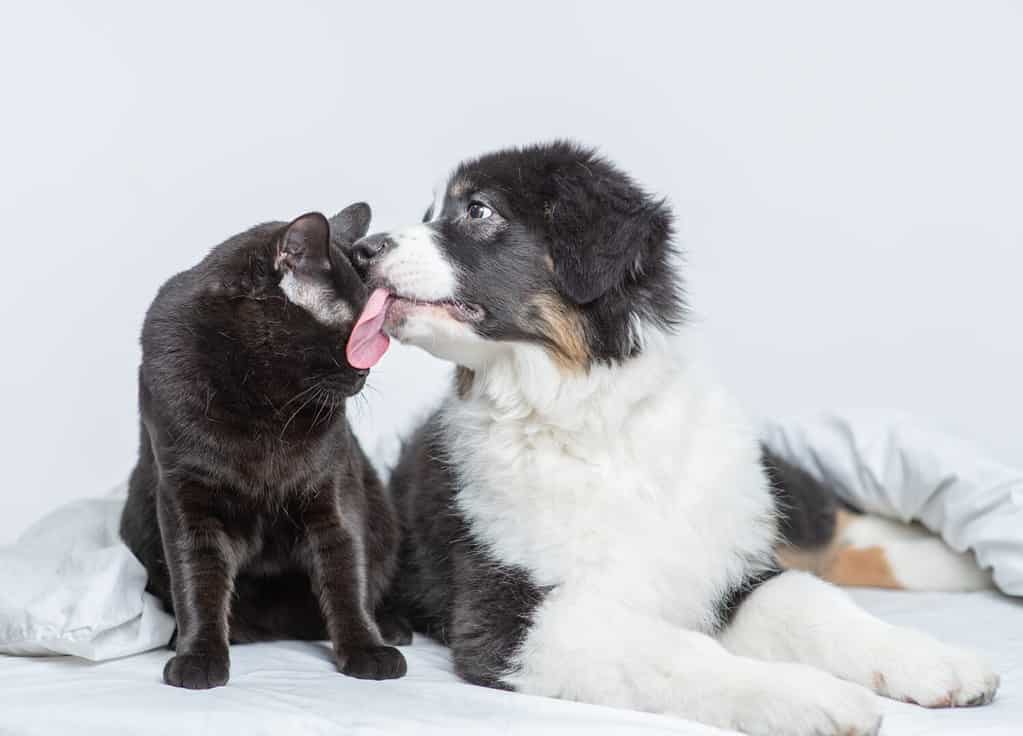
[252, 506]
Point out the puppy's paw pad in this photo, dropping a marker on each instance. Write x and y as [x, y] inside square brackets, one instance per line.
[374, 663]
[197, 671]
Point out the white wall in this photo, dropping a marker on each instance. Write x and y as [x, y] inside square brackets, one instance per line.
[849, 182]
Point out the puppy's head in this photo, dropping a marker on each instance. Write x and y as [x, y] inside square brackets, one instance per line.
[550, 245]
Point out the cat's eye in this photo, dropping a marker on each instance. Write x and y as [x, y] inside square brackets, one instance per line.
[478, 211]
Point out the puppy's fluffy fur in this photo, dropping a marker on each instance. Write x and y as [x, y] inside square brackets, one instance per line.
[587, 515]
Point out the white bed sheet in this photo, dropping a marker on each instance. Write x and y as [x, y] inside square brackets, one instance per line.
[292, 688]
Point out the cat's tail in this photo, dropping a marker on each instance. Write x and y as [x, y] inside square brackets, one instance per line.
[823, 535]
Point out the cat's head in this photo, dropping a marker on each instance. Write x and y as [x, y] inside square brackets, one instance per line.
[312, 270]
[284, 297]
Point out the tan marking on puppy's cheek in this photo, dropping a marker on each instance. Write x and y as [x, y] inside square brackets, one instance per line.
[548, 260]
[562, 326]
[862, 566]
[464, 378]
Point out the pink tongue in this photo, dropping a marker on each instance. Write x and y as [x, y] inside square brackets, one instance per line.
[368, 343]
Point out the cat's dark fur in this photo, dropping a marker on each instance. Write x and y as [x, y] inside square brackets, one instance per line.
[253, 508]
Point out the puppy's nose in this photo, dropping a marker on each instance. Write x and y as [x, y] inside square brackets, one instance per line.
[368, 249]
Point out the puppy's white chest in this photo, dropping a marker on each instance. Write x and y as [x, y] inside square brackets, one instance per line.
[554, 503]
[623, 512]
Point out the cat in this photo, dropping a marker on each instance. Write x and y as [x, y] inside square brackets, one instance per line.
[252, 506]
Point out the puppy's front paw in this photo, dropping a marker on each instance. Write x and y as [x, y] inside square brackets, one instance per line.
[197, 671]
[918, 669]
[373, 663]
[795, 700]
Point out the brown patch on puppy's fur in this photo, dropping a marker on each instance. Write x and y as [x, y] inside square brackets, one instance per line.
[816, 559]
[840, 563]
[867, 566]
[563, 328]
[807, 560]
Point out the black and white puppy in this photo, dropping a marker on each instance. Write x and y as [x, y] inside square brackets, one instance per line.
[587, 515]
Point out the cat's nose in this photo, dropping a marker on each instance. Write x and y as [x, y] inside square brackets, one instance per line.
[368, 249]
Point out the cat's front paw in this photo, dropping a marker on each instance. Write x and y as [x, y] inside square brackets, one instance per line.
[197, 671]
[394, 629]
[373, 663]
[918, 669]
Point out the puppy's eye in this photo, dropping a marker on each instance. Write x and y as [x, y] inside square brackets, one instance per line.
[478, 211]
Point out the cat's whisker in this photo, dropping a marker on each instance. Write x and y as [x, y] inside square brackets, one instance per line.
[322, 398]
[361, 403]
[332, 403]
[295, 414]
[300, 394]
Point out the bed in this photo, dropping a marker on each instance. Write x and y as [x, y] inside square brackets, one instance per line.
[292, 688]
[71, 595]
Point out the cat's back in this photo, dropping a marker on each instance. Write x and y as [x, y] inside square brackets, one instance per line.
[187, 301]
[170, 371]
[188, 327]
[161, 337]
[166, 315]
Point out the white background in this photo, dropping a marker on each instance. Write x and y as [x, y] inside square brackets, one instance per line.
[848, 180]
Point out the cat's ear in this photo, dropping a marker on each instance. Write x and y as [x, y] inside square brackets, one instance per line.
[350, 224]
[305, 244]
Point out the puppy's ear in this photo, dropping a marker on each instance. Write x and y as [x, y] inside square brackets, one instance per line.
[600, 239]
[350, 224]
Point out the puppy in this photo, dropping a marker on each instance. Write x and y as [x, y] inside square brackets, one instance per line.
[587, 515]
